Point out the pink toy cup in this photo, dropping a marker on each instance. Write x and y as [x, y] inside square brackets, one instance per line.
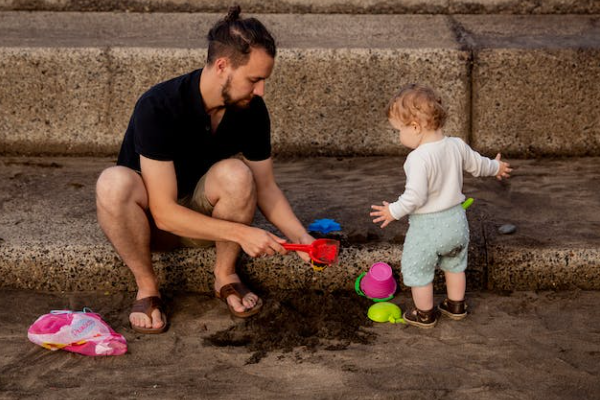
[378, 283]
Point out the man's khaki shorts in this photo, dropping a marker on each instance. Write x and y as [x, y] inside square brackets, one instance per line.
[197, 202]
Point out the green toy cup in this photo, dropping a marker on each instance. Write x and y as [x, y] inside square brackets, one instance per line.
[385, 312]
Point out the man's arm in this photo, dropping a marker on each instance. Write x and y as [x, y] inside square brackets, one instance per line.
[275, 206]
[161, 185]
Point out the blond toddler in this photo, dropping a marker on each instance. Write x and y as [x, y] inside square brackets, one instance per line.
[438, 234]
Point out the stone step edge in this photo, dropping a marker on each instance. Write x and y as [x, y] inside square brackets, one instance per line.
[69, 268]
[313, 7]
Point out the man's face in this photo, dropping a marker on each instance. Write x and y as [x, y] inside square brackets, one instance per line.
[247, 81]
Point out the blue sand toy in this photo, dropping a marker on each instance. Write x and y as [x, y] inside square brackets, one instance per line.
[324, 226]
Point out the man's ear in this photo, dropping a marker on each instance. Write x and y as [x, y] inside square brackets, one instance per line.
[222, 64]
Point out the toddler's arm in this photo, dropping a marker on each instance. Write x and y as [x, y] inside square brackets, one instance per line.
[414, 196]
[478, 165]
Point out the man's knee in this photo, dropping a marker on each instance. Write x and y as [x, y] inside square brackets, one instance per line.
[232, 177]
[117, 185]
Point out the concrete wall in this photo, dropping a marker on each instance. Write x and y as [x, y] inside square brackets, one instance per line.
[525, 86]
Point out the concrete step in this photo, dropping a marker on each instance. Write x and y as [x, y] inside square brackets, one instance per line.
[523, 85]
[50, 240]
[316, 6]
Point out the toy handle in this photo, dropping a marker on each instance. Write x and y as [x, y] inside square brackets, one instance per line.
[467, 203]
[357, 285]
[397, 320]
[298, 247]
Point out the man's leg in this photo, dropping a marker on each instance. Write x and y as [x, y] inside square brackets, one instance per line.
[122, 204]
[231, 189]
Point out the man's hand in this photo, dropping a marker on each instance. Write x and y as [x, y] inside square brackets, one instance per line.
[305, 239]
[383, 214]
[504, 171]
[257, 242]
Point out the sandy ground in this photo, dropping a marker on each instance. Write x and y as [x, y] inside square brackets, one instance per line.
[522, 345]
[308, 345]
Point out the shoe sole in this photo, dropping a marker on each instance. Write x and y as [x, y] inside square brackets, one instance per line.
[241, 314]
[151, 331]
[455, 317]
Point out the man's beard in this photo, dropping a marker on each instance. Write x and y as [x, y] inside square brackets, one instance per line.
[229, 101]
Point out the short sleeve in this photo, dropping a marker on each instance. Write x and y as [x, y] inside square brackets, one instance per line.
[257, 136]
[153, 125]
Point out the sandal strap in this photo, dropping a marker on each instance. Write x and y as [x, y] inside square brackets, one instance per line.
[147, 305]
[236, 289]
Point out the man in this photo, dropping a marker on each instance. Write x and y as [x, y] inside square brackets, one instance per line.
[176, 183]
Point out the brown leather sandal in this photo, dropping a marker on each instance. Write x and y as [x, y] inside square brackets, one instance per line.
[146, 306]
[455, 310]
[421, 319]
[239, 290]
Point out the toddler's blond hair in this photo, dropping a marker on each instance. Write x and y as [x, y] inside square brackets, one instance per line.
[419, 103]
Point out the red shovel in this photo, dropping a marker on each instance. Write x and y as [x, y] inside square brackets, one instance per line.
[323, 251]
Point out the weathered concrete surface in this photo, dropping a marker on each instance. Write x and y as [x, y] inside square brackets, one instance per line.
[317, 6]
[555, 209]
[535, 84]
[70, 80]
[54, 100]
[50, 239]
[332, 79]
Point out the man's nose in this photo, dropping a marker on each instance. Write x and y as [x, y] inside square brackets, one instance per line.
[259, 89]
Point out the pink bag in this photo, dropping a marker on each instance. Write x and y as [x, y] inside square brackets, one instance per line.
[81, 332]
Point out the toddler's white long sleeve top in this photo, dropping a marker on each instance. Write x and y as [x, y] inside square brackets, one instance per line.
[434, 176]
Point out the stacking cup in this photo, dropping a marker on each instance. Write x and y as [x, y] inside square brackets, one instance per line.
[378, 282]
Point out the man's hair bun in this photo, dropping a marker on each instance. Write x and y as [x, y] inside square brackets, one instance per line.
[233, 14]
[234, 37]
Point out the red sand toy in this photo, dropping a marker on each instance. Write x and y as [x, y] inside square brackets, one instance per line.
[322, 251]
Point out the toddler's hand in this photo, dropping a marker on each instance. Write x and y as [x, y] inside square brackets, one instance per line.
[505, 169]
[383, 214]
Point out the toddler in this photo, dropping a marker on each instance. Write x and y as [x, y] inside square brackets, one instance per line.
[438, 234]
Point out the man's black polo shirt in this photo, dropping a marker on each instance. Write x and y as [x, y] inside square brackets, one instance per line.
[169, 123]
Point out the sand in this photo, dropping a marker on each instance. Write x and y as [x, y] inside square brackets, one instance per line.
[311, 345]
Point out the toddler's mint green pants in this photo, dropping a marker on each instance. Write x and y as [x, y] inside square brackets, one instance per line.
[435, 239]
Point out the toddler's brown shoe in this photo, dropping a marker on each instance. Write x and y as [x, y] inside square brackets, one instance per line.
[422, 319]
[455, 310]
